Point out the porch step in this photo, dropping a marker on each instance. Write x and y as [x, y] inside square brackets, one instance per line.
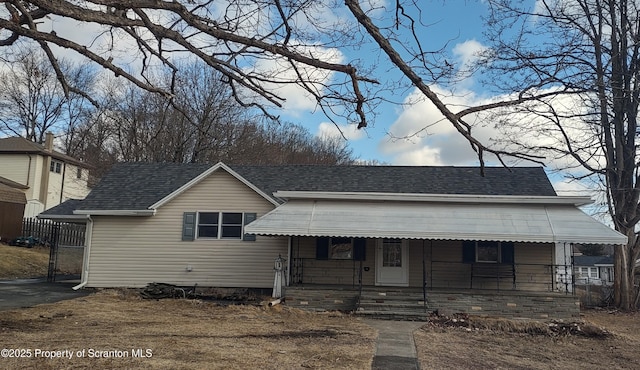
[389, 296]
[321, 299]
[394, 315]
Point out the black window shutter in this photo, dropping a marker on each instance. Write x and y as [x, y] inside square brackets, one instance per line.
[322, 248]
[359, 249]
[189, 226]
[468, 251]
[248, 218]
[507, 252]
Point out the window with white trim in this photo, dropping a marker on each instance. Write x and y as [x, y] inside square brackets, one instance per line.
[587, 272]
[220, 225]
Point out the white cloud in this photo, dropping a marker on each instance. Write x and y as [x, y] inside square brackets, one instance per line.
[297, 98]
[568, 187]
[421, 136]
[424, 156]
[467, 52]
[329, 130]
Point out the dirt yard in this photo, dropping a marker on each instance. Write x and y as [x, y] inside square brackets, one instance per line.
[500, 344]
[118, 329]
[181, 334]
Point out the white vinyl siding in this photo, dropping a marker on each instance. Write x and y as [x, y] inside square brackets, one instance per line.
[134, 251]
[75, 187]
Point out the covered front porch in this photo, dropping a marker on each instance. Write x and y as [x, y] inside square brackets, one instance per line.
[430, 264]
[433, 252]
[393, 278]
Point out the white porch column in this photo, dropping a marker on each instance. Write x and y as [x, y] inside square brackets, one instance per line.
[563, 271]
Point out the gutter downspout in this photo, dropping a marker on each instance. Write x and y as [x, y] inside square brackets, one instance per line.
[29, 170]
[44, 183]
[87, 254]
[64, 173]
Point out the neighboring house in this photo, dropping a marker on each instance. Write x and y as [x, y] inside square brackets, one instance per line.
[12, 202]
[494, 244]
[46, 176]
[593, 270]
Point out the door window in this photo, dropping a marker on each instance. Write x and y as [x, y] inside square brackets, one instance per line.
[392, 253]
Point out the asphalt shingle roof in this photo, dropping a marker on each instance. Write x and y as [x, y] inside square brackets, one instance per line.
[20, 145]
[136, 186]
[9, 194]
[65, 208]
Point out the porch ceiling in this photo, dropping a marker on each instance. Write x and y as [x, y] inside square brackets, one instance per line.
[435, 220]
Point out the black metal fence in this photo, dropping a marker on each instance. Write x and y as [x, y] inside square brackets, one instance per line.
[65, 240]
[47, 232]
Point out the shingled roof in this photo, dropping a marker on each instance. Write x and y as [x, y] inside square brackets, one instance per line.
[592, 260]
[9, 194]
[20, 145]
[136, 186]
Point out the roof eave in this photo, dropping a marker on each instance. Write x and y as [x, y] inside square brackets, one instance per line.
[451, 198]
[115, 212]
[63, 218]
[204, 175]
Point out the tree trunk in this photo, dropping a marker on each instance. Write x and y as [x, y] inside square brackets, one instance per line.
[623, 278]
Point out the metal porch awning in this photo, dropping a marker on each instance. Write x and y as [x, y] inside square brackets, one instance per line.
[542, 223]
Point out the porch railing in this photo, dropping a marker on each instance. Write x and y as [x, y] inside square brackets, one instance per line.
[440, 275]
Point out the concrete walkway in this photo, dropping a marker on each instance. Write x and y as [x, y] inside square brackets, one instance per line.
[396, 349]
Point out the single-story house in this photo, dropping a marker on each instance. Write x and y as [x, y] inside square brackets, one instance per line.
[593, 270]
[353, 237]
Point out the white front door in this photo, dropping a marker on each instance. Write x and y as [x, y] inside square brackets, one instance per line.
[391, 262]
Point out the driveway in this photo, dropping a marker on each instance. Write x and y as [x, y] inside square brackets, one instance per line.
[30, 292]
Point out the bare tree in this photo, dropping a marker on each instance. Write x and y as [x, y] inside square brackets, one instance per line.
[582, 92]
[255, 45]
[31, 99]
[203, 123]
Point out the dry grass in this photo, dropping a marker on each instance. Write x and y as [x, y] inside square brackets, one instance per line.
[508, 344]
[185, 334]
[194, 334]
[21, 263]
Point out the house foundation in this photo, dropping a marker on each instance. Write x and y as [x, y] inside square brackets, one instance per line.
[409, 303]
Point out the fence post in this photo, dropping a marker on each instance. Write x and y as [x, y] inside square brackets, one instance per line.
[53, 252]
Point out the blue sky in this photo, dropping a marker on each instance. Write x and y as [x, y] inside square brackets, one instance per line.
[428, 139]
[456, 23]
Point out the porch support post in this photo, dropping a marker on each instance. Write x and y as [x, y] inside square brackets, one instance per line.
[563, 265]
[424, 278]
[289, 248]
